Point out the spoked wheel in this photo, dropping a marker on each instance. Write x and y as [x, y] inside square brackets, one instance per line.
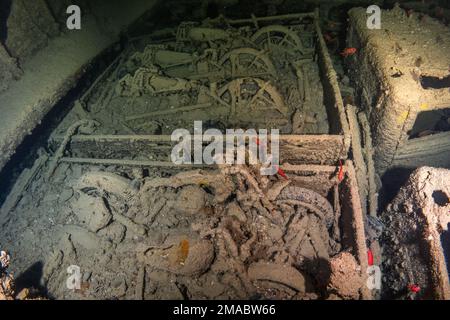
[244, 62]
[279, 41]
[247, 95]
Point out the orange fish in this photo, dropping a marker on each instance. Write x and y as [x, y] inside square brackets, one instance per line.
[341, 171]
[282, 173]
[348, 52]
[370, 257]
[414, 288]
[183, 251]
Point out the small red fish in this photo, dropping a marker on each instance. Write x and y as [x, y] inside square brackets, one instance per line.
[341, 171]
[370, 257]
[414, 288]
[348, 52]
[281, 173]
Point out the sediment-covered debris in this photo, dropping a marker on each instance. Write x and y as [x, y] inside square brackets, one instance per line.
[415, 245]
[188, 257]
[345, 276]
[227, 233]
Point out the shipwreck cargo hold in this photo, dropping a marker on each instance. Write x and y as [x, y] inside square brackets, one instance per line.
[351, 120]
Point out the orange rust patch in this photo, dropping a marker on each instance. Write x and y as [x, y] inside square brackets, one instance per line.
[183, 251]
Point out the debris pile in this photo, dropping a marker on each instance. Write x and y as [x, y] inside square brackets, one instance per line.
[112, 207]
[250, 76]
[229, 233]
